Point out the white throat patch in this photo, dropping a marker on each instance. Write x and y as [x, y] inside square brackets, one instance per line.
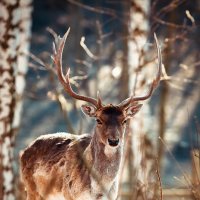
[110, 151]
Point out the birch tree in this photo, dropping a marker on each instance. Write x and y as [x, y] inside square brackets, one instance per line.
[143, 158]
[15, 23]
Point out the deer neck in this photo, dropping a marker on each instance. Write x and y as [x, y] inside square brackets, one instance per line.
[104, 160]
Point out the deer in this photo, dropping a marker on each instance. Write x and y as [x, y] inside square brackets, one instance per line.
[65, 166]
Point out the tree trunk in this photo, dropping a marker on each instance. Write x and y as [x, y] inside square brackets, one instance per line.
[15, 22]
[143, 158]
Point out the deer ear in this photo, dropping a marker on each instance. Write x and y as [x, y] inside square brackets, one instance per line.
[89, 110]
[132, 110]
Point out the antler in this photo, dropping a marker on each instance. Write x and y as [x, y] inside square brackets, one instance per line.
[154, 84]
[58, 47]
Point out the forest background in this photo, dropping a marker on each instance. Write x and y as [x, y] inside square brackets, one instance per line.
[110, 49]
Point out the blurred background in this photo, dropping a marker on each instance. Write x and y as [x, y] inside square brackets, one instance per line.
[110, 49]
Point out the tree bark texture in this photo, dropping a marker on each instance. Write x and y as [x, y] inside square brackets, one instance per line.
[15, 23]
[143, 158]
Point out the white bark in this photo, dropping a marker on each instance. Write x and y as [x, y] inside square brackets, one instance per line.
[143, 163]
[15, 22]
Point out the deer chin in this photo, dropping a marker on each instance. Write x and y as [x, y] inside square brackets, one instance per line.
[109, 151]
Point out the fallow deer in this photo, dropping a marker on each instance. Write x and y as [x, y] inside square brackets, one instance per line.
[63, 166]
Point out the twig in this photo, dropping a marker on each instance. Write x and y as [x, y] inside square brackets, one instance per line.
[96, 10]
[40, 62]
[189, 16]
[89, 53]
[159, 179]
[172, 25]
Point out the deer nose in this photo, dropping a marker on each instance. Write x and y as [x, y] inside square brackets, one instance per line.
[113, 142]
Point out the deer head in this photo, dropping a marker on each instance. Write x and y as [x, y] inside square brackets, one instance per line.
[120, 113]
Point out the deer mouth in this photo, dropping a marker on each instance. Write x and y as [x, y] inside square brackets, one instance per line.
[113, 143]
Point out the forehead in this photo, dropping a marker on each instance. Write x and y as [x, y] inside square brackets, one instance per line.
[111, 112]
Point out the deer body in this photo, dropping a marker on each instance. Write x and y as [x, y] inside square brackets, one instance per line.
[62, 166]
[76, 166]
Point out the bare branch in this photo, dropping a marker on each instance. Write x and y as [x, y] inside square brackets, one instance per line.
[89, 53]
[96, 10]
[189, 16]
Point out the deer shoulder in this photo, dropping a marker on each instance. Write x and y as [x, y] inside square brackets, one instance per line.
[52, 159]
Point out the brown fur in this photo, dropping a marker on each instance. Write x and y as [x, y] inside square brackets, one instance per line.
[55, 155]
[78, 167]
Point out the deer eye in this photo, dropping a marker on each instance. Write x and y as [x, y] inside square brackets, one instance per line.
[124, 122]
[98, 121]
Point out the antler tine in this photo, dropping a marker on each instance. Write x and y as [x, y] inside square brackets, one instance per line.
[125, 103]
[99, 101]
[64, 79]
[158, 76]
[154, 84]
